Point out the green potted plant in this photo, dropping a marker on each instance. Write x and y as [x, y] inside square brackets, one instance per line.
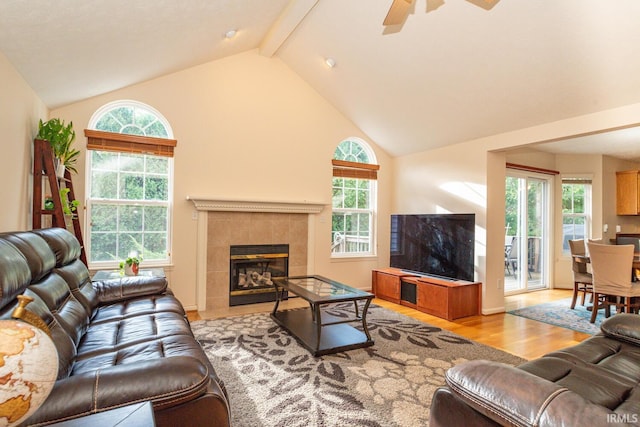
[48, 203]
[69, 207]
[61, 137]
[131, 265]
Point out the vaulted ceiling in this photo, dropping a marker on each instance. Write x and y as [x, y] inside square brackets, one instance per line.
[452, 72]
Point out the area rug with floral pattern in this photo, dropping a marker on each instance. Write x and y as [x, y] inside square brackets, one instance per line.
[559, 313]
[273, 381]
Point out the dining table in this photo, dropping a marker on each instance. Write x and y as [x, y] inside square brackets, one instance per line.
[584, 259]
[635, 269]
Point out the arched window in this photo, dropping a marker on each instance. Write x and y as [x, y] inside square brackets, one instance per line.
[131, 118]
[130, 177]
[354, 199]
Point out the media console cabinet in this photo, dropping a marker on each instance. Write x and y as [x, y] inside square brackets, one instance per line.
[448, 299]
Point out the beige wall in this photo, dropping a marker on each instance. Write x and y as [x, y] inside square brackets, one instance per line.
[583, 165]
[20, 110]
[469, 177]
[247, 128]
[450, 179]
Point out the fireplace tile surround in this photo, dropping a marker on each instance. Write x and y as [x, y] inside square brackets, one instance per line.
[250, 228]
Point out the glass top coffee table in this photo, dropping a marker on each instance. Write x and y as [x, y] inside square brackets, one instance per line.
[318, 331]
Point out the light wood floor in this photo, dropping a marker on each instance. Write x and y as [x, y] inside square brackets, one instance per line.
[516, 335]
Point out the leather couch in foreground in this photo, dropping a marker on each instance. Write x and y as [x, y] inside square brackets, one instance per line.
[595, 383]
[119, 342]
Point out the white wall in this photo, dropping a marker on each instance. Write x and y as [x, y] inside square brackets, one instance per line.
[20, 110]
[247, 128]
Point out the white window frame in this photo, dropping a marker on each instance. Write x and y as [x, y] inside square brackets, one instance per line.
[588, 206]
[97, 115]
[371, 211]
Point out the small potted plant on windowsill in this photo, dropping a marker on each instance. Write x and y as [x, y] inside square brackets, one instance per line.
[131, 265]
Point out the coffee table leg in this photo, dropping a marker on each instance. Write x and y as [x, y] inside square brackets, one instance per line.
[279, 294]
[355, 304]
[364, 319]
[318, 320]
[313, 312]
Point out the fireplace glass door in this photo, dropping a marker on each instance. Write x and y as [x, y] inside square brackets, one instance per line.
[251, 272]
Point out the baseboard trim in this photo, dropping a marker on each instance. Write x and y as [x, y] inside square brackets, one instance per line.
[495, 310]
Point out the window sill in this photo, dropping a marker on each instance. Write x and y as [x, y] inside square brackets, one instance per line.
[352, 258]
[93, 268]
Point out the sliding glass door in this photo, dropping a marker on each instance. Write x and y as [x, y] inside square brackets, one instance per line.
[526, 232]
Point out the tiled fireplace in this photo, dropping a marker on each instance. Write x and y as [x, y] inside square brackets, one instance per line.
[225, 223]
[227, 229]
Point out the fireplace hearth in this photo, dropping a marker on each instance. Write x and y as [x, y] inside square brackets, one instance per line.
[251, 270]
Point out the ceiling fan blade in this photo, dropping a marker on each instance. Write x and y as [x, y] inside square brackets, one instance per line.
[398, 12]
[433, 5]
[485, 4]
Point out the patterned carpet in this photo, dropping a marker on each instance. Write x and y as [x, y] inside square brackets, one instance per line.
[558, 313]
[273, 381]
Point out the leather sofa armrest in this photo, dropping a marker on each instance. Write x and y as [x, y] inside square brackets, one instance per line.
[623, 327]
[511, 396]
[126, 287]
[448, 410]
[166, 382]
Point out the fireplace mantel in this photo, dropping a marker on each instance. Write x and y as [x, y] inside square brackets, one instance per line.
[235, 205]
[206, 206]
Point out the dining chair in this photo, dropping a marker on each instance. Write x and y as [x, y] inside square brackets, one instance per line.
[511, 258]
[511, 255]
[582, 278]
[612, 270]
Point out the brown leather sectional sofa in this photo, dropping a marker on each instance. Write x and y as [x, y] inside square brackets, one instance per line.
[595, 383]
[119, 342]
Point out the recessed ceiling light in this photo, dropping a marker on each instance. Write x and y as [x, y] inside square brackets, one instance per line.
[230, 34]
[330, 62]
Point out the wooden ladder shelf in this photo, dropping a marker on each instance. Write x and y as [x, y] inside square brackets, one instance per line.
[43, 167]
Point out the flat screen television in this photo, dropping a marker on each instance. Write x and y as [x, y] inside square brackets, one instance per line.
[439, 245]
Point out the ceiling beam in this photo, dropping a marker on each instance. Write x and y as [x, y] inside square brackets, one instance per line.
[285, 25]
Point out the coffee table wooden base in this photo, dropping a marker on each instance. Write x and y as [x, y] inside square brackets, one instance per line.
[334, 338]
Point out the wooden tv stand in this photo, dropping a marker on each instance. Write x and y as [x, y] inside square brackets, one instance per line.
[448, 299]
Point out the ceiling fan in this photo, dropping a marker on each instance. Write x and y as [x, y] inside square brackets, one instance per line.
[400, 9]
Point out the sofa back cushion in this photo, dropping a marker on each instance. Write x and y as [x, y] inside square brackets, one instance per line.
[67, 310]
[64, 345]
[77, 277]
[36, 251]
[64, 245]
[67, 251]
[15, 278]
[15, 274]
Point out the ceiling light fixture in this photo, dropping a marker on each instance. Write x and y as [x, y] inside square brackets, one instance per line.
[330, 62]
[230, 34]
